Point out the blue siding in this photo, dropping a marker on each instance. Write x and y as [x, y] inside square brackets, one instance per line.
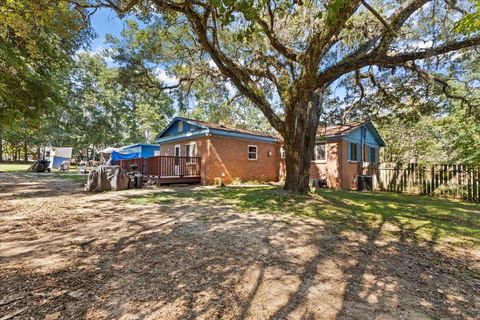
[190, 130]
[182, 136]
[144, 150]
[149, 151]
[369, 137]
[132, 149]
[364, 136]
[187, 127]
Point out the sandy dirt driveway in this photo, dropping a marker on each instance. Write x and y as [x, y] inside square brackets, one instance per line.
[68, 254]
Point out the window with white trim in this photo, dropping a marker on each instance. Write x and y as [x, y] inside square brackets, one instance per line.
[191, 149]
[282, 152]
[252, 152]
[180, 126]
[320, 152]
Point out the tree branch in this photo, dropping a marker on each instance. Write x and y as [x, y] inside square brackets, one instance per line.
[390, 60]
[238, 75]
[335, 22]
[282, 49]
[435, 79]
[374, 58]
[122, 10]
[379, 17]
[397, 20]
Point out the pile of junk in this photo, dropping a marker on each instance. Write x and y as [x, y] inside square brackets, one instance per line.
[40, 166]
[107, 177]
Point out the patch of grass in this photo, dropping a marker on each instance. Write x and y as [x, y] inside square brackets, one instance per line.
[14, 167]
[414, 217]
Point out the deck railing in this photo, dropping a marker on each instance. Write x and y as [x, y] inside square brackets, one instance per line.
[125, 164]
[165, 166]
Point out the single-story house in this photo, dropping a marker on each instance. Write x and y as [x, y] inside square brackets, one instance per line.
[145, 150]
[342, 152]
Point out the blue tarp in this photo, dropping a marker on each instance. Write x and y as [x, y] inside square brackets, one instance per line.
[123, 156]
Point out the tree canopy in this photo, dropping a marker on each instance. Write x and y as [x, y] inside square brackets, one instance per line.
[285, 56]
[37, 41]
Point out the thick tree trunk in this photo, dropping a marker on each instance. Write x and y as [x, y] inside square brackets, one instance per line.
[1, 148]
[301, 122]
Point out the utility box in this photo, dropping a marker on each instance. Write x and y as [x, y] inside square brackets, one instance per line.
[319, 183]
[364, 183]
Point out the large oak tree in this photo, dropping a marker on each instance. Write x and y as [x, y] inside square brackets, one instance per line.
[285, 55]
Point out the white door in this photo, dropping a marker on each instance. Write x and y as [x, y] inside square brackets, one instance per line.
[177, 161]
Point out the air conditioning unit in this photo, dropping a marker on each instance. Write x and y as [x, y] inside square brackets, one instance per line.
[364, 183]
[319, 183]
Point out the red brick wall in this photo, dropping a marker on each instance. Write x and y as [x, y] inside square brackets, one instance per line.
[349, 170]
[339, 172]
[227, 158]
[329, 169]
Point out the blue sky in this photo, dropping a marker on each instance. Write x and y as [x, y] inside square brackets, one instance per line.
[105, 21]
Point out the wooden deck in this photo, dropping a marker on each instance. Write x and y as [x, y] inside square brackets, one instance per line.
[167, 169]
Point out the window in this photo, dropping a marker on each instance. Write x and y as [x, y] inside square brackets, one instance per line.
[353, 154]
[180, 126]
[252, 152]
[190, 149]
[282, 152]
[320, 152]
[372, 154]
[176, 151]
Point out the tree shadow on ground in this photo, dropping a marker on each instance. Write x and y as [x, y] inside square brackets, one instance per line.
[232, 254]
[16, 186]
